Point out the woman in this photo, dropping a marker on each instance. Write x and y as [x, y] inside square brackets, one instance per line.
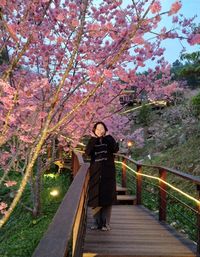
[102, 185]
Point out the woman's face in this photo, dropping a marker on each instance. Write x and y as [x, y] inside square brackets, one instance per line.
[100, 130]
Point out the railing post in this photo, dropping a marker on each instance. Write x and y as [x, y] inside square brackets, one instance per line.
[139, 185]
[49, 151]
[162, 195]
[123, 172]
[198, 222]
[75, 164]
[60, 152]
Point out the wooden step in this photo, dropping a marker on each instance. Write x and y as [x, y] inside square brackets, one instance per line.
[121, 190]
[126, 199]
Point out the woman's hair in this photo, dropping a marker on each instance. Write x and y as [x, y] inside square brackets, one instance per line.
[99, 122]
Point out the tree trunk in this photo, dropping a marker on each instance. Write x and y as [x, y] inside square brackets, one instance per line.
[37, 187]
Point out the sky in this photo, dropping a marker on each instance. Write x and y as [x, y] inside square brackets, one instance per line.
[174, 47]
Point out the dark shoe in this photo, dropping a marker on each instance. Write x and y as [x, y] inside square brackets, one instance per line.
[95, 227]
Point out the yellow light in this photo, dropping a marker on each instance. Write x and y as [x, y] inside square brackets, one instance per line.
[130, 110]
[161, 180]
[161, 102]
[60, 164]
[54, 192]
[129, 143]
[51, 175]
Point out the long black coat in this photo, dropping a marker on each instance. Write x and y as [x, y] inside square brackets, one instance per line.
[102, 184]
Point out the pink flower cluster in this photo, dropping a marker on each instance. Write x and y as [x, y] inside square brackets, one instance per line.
[10, 183]
[155, 7]
[3, 207]
[195, 39]
[175, 7]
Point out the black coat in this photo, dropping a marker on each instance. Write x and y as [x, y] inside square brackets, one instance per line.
[102, 184]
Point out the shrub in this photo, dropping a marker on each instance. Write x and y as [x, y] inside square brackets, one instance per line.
[145, 114]
[196, 104]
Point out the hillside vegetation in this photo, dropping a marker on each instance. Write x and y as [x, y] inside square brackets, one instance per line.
[171, 135]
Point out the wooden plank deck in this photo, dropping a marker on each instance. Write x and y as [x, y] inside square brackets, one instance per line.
[135, 232]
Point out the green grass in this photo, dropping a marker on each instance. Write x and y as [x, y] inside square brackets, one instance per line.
[182, 157]
[21, 234]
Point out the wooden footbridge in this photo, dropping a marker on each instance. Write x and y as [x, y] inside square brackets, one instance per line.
[136, 231]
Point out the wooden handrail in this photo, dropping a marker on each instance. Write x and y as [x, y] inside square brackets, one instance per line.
[194, 179]
[68, 222]
[162, 188]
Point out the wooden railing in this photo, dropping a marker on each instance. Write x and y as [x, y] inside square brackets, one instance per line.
[64, 236]
[163, 171]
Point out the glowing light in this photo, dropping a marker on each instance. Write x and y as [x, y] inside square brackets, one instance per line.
[51, 175]
[132, 109]
[129, 143]
[54, 192]
[149, 156]
[160, 102]
[161, 180]
[59, 163]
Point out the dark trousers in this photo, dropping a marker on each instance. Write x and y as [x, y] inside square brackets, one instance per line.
[102, 215]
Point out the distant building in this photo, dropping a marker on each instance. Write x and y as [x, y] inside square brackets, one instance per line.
[130, 97]
[127, 97]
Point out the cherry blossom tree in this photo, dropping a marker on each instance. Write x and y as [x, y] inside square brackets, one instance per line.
[68, 62]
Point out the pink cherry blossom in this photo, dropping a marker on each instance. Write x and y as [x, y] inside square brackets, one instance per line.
[3, 206]
[3, 3]
[12, 32]
[75, 22]
[92, 71]
[138, 40]
[175, 7]
[175, 19]
[195, 39]
[26, 139]
[10, 183]
[60, 17]
[42, 115]
[155, 7]
[108, 73]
